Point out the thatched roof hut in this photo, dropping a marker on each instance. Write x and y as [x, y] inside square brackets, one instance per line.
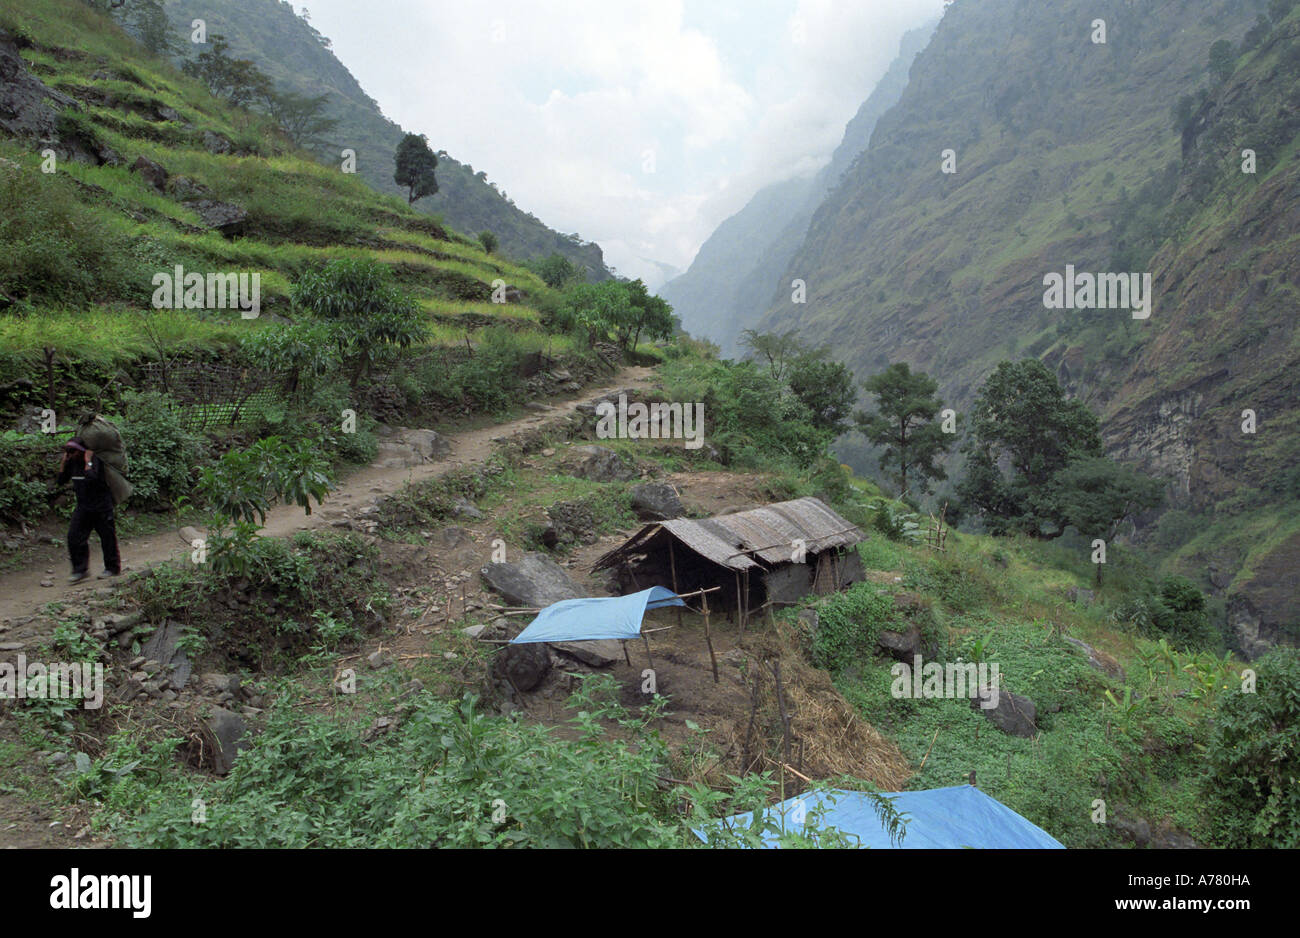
[773, 555]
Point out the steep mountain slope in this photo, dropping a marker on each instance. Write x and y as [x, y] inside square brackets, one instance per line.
[736, 272]
[152, 172]
[1067, 154]
[288, 49]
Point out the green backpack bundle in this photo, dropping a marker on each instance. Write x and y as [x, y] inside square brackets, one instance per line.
[101, 436]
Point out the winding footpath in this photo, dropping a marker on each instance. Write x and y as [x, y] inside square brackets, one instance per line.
[21, 593]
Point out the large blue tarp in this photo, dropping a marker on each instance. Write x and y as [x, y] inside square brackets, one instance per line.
[942, 818]
[587, 620]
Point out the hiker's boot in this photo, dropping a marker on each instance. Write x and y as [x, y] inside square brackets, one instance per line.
[107, 574]
[78, 577]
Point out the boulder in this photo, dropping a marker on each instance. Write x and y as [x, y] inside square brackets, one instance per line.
[224, 217]
[151, 172]
[163, 647]
[1134, 829]
[184, 188]
[216, 143]
[599, 654]
[598, 464]
[464, 509]
[212, 682]
[1013, 715]
[228, 730]
[901, 646]
[534, 582]
[428, 443]
[656, 501]
[523, 666]
[570, 523]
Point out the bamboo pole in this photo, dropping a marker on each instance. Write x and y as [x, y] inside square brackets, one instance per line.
[747, 597]
[739, 616]
[647, 650]
[775, 666]
[708, 638]
[672, 562]
[927, 751]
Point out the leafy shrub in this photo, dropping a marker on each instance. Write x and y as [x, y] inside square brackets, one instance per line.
[243, 484]
[163, 454]
[1181, 614]
[28, 465]
[1254, 759]
[749, 414]
[895, 524]
[848, 624]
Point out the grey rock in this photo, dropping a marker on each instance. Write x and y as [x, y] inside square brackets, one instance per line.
[224, 217]
[656, 501]
[122, 622]
[216, 143]
[213, 682]
[901, 646]
[474, 631]
[411, 448]
[598, 464]
[524, 666]
[183, 188]
[464, 509]
[809, 619]
[1173, 840]
[150, 172]
[28, 108]
[162, 650]
[1102, 662]
[379, 659]
[1077, 594]
[536, 581]
[600, 654]
[1013, 715]
[410, 688]
[228, 730]
[1134, 829]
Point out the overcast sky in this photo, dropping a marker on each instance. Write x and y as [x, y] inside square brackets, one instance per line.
[640, 124]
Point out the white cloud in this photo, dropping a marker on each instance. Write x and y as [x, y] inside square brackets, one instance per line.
[562, 102]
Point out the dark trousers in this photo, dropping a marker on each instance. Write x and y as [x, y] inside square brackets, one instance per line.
[102, 523]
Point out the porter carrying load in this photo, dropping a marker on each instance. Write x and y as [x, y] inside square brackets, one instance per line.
[102, 437]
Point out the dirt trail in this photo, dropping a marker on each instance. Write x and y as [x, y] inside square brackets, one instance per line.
[22, 595]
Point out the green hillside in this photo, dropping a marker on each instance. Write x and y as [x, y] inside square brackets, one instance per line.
[288, 49]
[1069, 152]
[295, 213]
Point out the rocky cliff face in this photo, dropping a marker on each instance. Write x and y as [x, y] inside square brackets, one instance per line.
[1067, 152]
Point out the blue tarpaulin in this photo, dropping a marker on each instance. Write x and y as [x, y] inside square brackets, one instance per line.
[588, 620]
[942, 818]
